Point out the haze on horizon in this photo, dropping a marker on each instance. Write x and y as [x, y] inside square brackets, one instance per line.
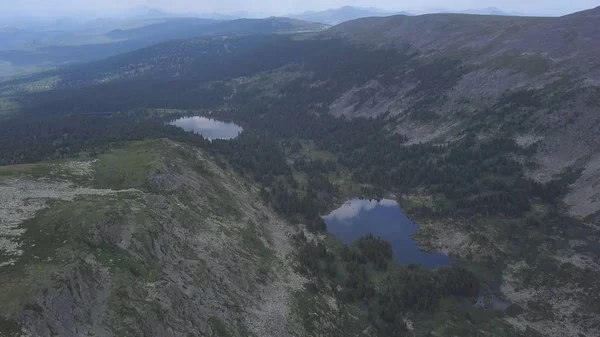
[279, 7]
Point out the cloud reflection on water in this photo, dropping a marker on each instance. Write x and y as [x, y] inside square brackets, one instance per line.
[357, 218]
[352, 208]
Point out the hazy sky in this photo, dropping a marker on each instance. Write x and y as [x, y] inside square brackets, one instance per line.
[286, 6]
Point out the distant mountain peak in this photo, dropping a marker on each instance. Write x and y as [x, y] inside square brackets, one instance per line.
[342, 14]
[146, 12]
[493, 9]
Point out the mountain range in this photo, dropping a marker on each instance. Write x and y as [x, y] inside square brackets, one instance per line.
[485, 128]
[25, 49]
[30, 44]
[339, 15]
[348, 13]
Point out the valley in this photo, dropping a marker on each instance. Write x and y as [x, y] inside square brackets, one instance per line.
[25, 50]
[484, 129]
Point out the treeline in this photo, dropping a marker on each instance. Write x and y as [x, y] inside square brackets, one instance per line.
[374, 249]
[472, 176]
[29, 139]
[352, 269]
[260, 157]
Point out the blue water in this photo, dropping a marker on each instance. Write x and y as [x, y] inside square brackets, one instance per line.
[208, 128]
[357, 218]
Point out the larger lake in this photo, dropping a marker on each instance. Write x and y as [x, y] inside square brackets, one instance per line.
[358, 217]
[208, 128]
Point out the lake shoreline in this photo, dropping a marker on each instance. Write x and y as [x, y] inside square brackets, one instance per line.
[383, 218]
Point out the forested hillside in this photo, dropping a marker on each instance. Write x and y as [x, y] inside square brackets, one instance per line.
[486, 129]
[84, 47]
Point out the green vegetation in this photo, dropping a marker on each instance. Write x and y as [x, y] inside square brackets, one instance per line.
[57, 170]
[68, 225]
[17, 285]
[125, 168]
[58, 237]
[532, 65]
[45, 49]
[220, 327]
[306, 160]
[13, 171]
[252, 241]
[29, 139]
[7, 106]
[359, 276]
[9, 327]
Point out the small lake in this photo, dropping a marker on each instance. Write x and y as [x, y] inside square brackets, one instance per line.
[357, 218]
[208, 128]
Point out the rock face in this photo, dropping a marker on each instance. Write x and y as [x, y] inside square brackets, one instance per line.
[193, 253]
[535, 78]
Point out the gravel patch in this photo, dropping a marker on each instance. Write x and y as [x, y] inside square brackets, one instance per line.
[584, 198]
[80, 168]
[564, 305]
[21, 200]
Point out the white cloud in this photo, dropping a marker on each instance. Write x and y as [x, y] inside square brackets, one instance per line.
[351, 208]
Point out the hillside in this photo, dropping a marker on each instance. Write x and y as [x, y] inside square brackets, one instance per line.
[485, 11]
[153, 239]
[492, 59]
[501, 58]
[485, 128]
[59, 48]
[158, 238]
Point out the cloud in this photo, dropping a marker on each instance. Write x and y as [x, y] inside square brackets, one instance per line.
[352, 208]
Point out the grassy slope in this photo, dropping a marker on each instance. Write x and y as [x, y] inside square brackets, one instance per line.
[62, 226]
[114, 234]
[64, 229]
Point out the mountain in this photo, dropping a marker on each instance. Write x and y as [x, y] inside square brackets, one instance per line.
[184, 28]
[147, 12]
[174, 251]
[347, 13]
[485, 11]
[484, 128]
[59, 48]
[481, 11]
[219, 16]
[490, 11]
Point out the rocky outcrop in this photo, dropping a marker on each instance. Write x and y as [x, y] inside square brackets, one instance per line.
[195, 254]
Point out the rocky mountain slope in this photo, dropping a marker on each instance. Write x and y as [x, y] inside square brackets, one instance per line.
[536, 78]
[151, 240]
[437, 76]
[440, 80]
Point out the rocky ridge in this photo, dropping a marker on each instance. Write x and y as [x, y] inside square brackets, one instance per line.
[194, 252]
